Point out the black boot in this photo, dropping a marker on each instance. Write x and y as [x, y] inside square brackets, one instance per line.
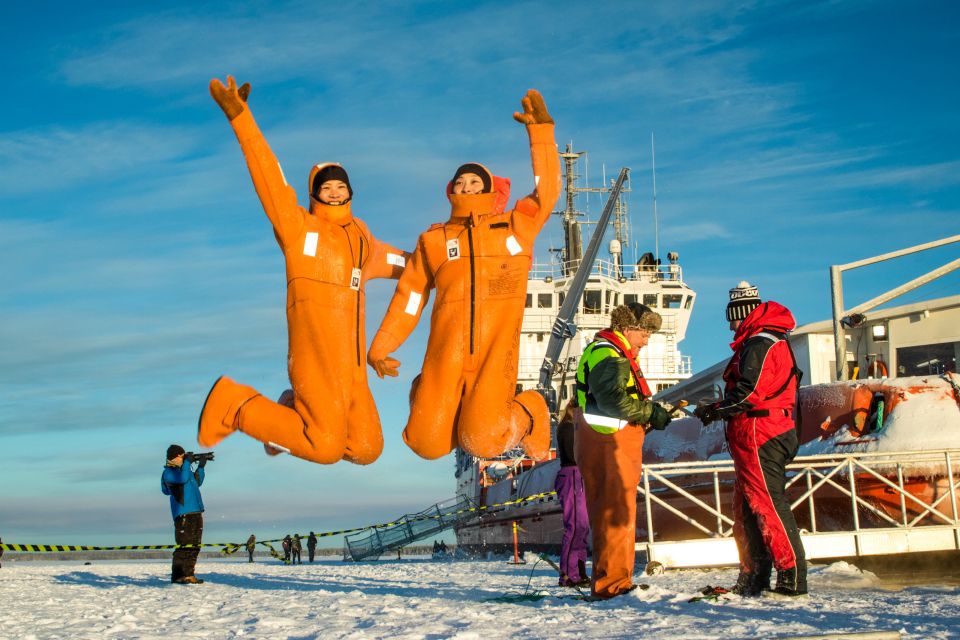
[791, 583]
[748, 585]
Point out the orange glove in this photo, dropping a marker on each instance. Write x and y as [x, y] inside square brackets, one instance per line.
[384, 366]
[230, 99]
[534, 109]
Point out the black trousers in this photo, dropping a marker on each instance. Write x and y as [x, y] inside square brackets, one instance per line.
[188, 529]
[312, 551]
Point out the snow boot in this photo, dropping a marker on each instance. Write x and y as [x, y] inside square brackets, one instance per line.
[189, 580]
[220, 415]
[752, 584]
[791, 583]
[748, 585]
[536, 442]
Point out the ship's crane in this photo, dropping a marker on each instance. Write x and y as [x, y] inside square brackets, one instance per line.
[563, 327]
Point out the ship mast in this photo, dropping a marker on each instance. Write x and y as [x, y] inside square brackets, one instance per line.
[572, 240]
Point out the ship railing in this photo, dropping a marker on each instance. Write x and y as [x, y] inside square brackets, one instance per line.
[651, 367]
[542, 320]
[609, 269]
[835, 487]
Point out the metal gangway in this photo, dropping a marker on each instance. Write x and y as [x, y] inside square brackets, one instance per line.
[847, 506]
[374, 541]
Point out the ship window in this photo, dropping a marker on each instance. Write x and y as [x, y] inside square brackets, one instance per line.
[927, 360]
[688, 302]
[539, 337]
[529, 303]
[519, 389]
[672, 300]
[650, 299]
[560, 298]
[662, 386]
[544, 300]
[592, 301]
[629, 298]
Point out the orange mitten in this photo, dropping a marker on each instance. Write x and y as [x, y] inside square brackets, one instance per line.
[229, 97]
[385, 366]
[534, 109]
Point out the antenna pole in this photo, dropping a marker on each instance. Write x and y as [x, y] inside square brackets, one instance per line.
[656, 221]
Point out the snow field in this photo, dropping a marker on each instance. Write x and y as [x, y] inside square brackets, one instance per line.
[423, 599]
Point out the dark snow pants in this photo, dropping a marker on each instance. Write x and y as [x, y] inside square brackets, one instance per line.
[311, 551]
[764, 528]
[188, 529]
[576, 525]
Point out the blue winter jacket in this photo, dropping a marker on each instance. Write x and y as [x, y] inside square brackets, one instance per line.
[183, 487]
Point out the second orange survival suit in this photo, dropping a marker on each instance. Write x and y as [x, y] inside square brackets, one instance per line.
[329, 257]
[478, 262]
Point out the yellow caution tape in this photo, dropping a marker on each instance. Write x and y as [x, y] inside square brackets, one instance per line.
[228, 548]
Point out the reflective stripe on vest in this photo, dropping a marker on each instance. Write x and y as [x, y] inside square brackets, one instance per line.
[604, 424]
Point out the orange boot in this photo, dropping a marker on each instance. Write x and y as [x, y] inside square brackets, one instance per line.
[221, 411]
[536, 442]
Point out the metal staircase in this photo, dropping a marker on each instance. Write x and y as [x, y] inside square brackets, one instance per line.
[374, 541]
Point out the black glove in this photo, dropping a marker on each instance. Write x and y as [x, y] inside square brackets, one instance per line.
[659, 418]
[707, 413]
[202, 463]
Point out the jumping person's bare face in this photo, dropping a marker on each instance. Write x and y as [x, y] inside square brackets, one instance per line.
[333, 192]
[735, 324]
[468, 183]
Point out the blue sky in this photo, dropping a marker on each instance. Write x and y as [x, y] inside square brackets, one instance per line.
[137, 264]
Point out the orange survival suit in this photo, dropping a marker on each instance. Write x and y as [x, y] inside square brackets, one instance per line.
[478, 262]
[329, 257]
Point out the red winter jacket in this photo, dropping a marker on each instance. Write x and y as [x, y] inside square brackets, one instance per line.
[761, 380]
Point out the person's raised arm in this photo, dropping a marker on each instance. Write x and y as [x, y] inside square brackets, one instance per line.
[403, 314]
[546, 163]
[278, 198]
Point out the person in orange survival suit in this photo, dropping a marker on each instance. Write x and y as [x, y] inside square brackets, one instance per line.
[478, 262]
[329, 256]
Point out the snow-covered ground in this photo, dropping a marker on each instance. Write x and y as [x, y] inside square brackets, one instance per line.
[420, 598]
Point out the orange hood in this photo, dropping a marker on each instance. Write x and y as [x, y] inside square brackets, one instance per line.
[340, 213]
[462, 205]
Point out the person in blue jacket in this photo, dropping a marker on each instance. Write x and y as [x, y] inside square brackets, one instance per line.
[182, 484]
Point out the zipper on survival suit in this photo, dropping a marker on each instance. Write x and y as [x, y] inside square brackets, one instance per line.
[473, 280]
[356, 264]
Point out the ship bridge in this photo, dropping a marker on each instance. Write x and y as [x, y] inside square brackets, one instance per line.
[611, 283]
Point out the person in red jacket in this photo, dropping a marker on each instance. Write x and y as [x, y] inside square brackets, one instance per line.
[330, 254]
[758, 404]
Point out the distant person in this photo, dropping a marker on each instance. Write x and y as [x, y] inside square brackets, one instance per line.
[295, 549]
[758, 404]
[1, 550]
[251, 546]
[573, 502]
[614, 399]
[182, 484]
[287, 548]
[443, 548]
[312, 545]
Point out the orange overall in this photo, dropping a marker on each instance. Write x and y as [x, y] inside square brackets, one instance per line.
[329, 256]
[478, 262]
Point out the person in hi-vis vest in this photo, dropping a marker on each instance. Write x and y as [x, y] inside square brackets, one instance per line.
[478, 262]
[329, 254]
